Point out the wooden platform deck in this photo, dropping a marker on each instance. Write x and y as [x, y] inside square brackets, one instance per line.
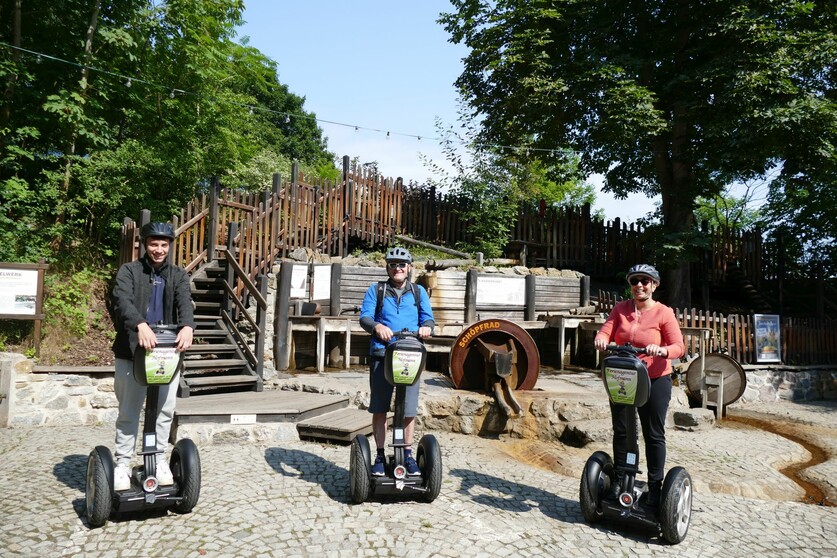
[341, 425]
[256, 407]
[316, 415]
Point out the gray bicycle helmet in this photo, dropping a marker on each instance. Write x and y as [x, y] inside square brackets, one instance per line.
[399, 254]
[157, 230]
[644, 269]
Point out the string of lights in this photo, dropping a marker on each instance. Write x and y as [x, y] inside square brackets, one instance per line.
[174, 91]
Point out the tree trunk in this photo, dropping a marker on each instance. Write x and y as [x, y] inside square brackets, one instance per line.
[70, 149]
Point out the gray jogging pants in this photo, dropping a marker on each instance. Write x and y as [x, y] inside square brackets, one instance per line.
[131, 397]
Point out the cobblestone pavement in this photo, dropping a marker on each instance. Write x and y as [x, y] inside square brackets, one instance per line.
[499, 498]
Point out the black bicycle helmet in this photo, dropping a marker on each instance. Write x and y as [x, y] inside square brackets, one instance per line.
[644, 269]
[157, 230]
[399, 254]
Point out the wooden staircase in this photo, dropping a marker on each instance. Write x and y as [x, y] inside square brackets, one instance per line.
[756, 301]
[216, 362]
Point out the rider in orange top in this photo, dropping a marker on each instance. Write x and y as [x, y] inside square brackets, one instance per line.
[645, 322]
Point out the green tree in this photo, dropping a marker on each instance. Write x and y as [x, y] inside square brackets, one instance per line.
[675, 98]
[730, 211]
[491, 184]
[111, 107]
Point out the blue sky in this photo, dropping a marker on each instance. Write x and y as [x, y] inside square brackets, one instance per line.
[381, 66]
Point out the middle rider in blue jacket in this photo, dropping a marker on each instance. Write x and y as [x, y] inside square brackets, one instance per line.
[397, 310]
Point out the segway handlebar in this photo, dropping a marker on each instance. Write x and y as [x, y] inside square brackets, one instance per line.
[403, 334]
[627, 347]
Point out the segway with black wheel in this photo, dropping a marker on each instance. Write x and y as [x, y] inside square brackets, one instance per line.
[627, 383]
[403, 364]
[152, 369]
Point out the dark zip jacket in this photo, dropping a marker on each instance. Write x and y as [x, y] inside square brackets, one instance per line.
[130, 302]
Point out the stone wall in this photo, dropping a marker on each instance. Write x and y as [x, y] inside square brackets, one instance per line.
[771, 383]
[45, 399]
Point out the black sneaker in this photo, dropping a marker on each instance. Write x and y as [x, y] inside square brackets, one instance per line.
[379, 467]
[650, 500]
[411, 466]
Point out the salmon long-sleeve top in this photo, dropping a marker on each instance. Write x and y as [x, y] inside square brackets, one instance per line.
[657, 325]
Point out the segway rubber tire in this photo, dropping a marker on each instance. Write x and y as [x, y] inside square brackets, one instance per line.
[594, 483]
[359, 470]
[676, 507]
[429, 459]
[99, 486]
[186, 469]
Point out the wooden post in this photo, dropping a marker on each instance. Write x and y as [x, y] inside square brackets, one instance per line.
[820, 290]
[233, 231]
[39, 304]
[471, 296]
[212, 235]
[261, 321]
[334, 291]
[276, 216]
[585, 291]
[780, 252]
[145, 217]
[348, 208]
[292, 231]
[529, 305]
[281, 326]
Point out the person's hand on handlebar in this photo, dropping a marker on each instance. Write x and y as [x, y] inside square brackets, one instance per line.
[600, 344]
[656, 350]
[184, 338]
[424, 332]
[383, 332]
[145, 336]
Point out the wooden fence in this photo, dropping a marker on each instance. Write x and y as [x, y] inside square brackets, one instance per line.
[365, 208]
[803, 341]
[362, 207]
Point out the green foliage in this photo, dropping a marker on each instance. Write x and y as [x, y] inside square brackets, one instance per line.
[68, 299]
[726, 211]
[671, 98]
[490, 185]
[82, 146]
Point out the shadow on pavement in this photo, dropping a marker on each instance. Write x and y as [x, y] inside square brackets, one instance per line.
[520, 498]
[72, 471]
[312, 468]
[507, 495]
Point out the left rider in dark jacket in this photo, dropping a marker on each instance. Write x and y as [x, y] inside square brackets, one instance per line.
[147, 291]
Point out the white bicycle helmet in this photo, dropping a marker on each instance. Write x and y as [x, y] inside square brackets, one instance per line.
[644, 269]
[399, 254]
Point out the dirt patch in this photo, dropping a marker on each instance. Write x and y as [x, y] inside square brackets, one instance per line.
[549, 456]
[800, 434]
[94, 349]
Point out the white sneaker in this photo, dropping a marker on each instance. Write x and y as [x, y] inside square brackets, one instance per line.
[121, 477]
[164, 476]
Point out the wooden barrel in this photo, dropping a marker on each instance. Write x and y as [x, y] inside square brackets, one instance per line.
[735, 380]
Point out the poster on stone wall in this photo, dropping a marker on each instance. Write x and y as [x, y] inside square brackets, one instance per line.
[768, 337]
